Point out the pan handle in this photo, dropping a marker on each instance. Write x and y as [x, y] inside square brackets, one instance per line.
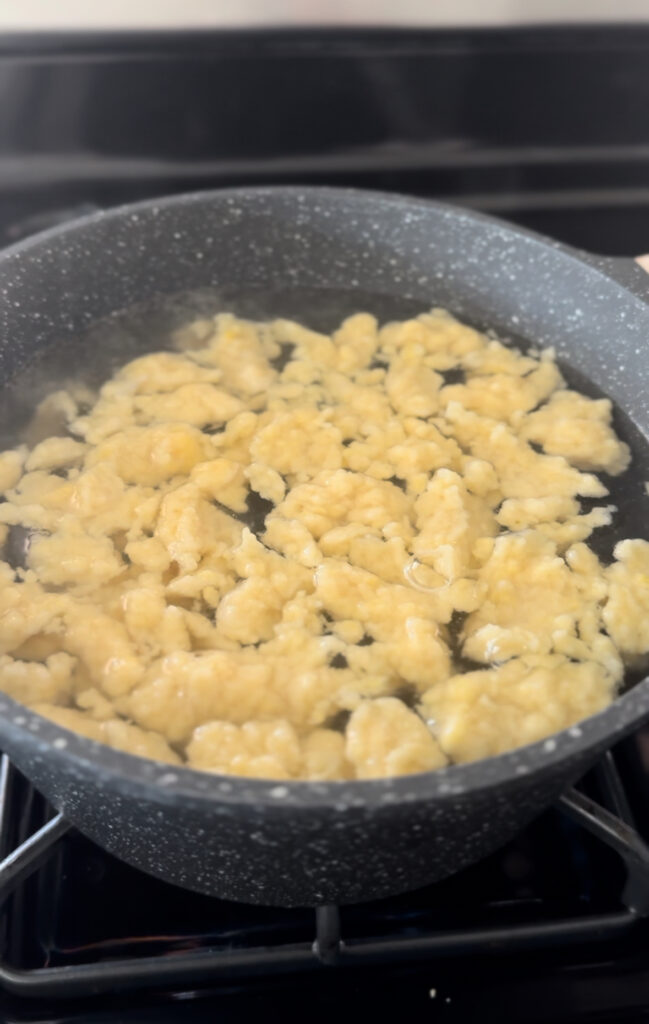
[630, 273]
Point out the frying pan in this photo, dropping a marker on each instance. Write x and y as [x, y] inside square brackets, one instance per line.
[318, 254]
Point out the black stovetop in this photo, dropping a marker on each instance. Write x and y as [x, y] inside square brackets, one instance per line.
[546, 127]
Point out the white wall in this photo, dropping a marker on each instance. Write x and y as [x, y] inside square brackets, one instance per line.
[79, 14]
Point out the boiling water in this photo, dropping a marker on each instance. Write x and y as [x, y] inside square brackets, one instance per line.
[92, 357]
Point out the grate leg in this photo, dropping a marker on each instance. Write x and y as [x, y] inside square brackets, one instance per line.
[620, 837]
[613, 791]
[328, 943]
[22, 861]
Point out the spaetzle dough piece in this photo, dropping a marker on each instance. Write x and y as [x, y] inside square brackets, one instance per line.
[265, 553]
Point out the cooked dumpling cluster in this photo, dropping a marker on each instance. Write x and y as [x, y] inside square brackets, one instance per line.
[283, 554]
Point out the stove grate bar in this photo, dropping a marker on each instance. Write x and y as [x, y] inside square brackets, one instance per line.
[622, 838]
[209, 965]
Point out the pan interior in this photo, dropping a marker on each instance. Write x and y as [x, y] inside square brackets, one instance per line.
[92, 356]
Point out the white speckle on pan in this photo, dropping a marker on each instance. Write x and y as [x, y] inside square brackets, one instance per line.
[575, 732]
[388, 798]
[225, 787]
[521, 769]
[279, 792]
[20, 720]
[432, 993]
[167, 779]
[550, 745]
[60, 743]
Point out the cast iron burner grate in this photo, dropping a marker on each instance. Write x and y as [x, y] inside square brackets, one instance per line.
[609, 819]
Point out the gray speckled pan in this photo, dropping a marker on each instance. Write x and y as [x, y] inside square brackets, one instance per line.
[309, 843]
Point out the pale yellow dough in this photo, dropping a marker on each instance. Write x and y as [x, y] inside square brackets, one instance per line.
[403, 525]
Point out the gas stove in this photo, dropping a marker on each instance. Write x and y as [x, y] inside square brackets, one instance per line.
[558, 918]
[546, 127]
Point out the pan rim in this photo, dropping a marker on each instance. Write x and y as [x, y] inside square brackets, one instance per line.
[236, 193]
[166, 781]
